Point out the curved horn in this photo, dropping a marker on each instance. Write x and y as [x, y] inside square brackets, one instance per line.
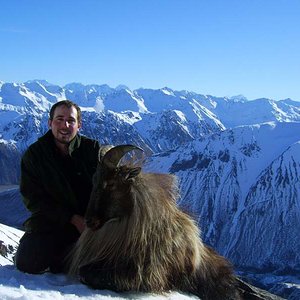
[113, 156]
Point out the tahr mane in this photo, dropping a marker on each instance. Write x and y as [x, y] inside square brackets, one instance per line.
[146, 243]
[142, 236]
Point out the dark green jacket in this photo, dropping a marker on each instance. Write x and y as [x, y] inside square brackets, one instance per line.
[55, 187]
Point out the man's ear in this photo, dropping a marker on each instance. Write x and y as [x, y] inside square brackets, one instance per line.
[79, 125]
[49, 123]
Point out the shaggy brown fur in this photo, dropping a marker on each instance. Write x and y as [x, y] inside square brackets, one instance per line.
[146, 242]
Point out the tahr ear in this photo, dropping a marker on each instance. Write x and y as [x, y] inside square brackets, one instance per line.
[132, 173]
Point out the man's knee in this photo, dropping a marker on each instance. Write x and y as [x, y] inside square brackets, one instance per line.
[33, 254]
[29, 265]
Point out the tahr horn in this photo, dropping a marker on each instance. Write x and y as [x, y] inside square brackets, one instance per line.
[113, 156]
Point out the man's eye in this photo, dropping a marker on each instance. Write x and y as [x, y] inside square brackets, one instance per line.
[72, 122]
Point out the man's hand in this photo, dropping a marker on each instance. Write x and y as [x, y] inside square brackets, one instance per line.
[78, 222]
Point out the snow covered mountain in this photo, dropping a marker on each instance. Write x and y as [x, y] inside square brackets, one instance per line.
[242, 185]
[237, 160]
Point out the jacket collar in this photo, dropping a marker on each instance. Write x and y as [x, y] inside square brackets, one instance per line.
[75, 143]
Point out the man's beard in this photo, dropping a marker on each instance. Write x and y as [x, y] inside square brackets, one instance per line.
[64, 138]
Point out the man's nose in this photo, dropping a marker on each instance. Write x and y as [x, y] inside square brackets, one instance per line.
[67, 124]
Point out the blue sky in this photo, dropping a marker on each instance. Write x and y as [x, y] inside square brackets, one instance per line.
[221, 48]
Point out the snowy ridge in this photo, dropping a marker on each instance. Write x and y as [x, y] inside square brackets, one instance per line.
[195, 115]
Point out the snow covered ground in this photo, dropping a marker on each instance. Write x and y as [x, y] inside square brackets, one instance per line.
[17, 285]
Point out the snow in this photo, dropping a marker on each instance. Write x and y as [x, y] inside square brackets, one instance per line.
[99, 105]
[7, 142]
[17, 285]
[123, 101]
[167, 91]
[130, 117]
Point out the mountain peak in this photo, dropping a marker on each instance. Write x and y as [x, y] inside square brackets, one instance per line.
[167, 91]
[122, 87]
[238, 98]
[40, 81]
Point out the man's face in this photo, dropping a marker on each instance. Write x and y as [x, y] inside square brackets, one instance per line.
[65, 124]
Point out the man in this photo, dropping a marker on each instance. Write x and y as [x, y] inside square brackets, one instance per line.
[56, 182]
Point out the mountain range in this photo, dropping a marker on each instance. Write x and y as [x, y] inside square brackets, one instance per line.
[237, 161]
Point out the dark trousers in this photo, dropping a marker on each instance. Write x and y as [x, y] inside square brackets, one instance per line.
[38, 251]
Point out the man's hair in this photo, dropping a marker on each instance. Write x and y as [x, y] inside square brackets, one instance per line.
[68, 104]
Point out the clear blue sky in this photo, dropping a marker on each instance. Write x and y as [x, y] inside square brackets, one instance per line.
[221, 48]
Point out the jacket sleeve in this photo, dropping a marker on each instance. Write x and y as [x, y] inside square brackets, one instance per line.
[46, 213]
